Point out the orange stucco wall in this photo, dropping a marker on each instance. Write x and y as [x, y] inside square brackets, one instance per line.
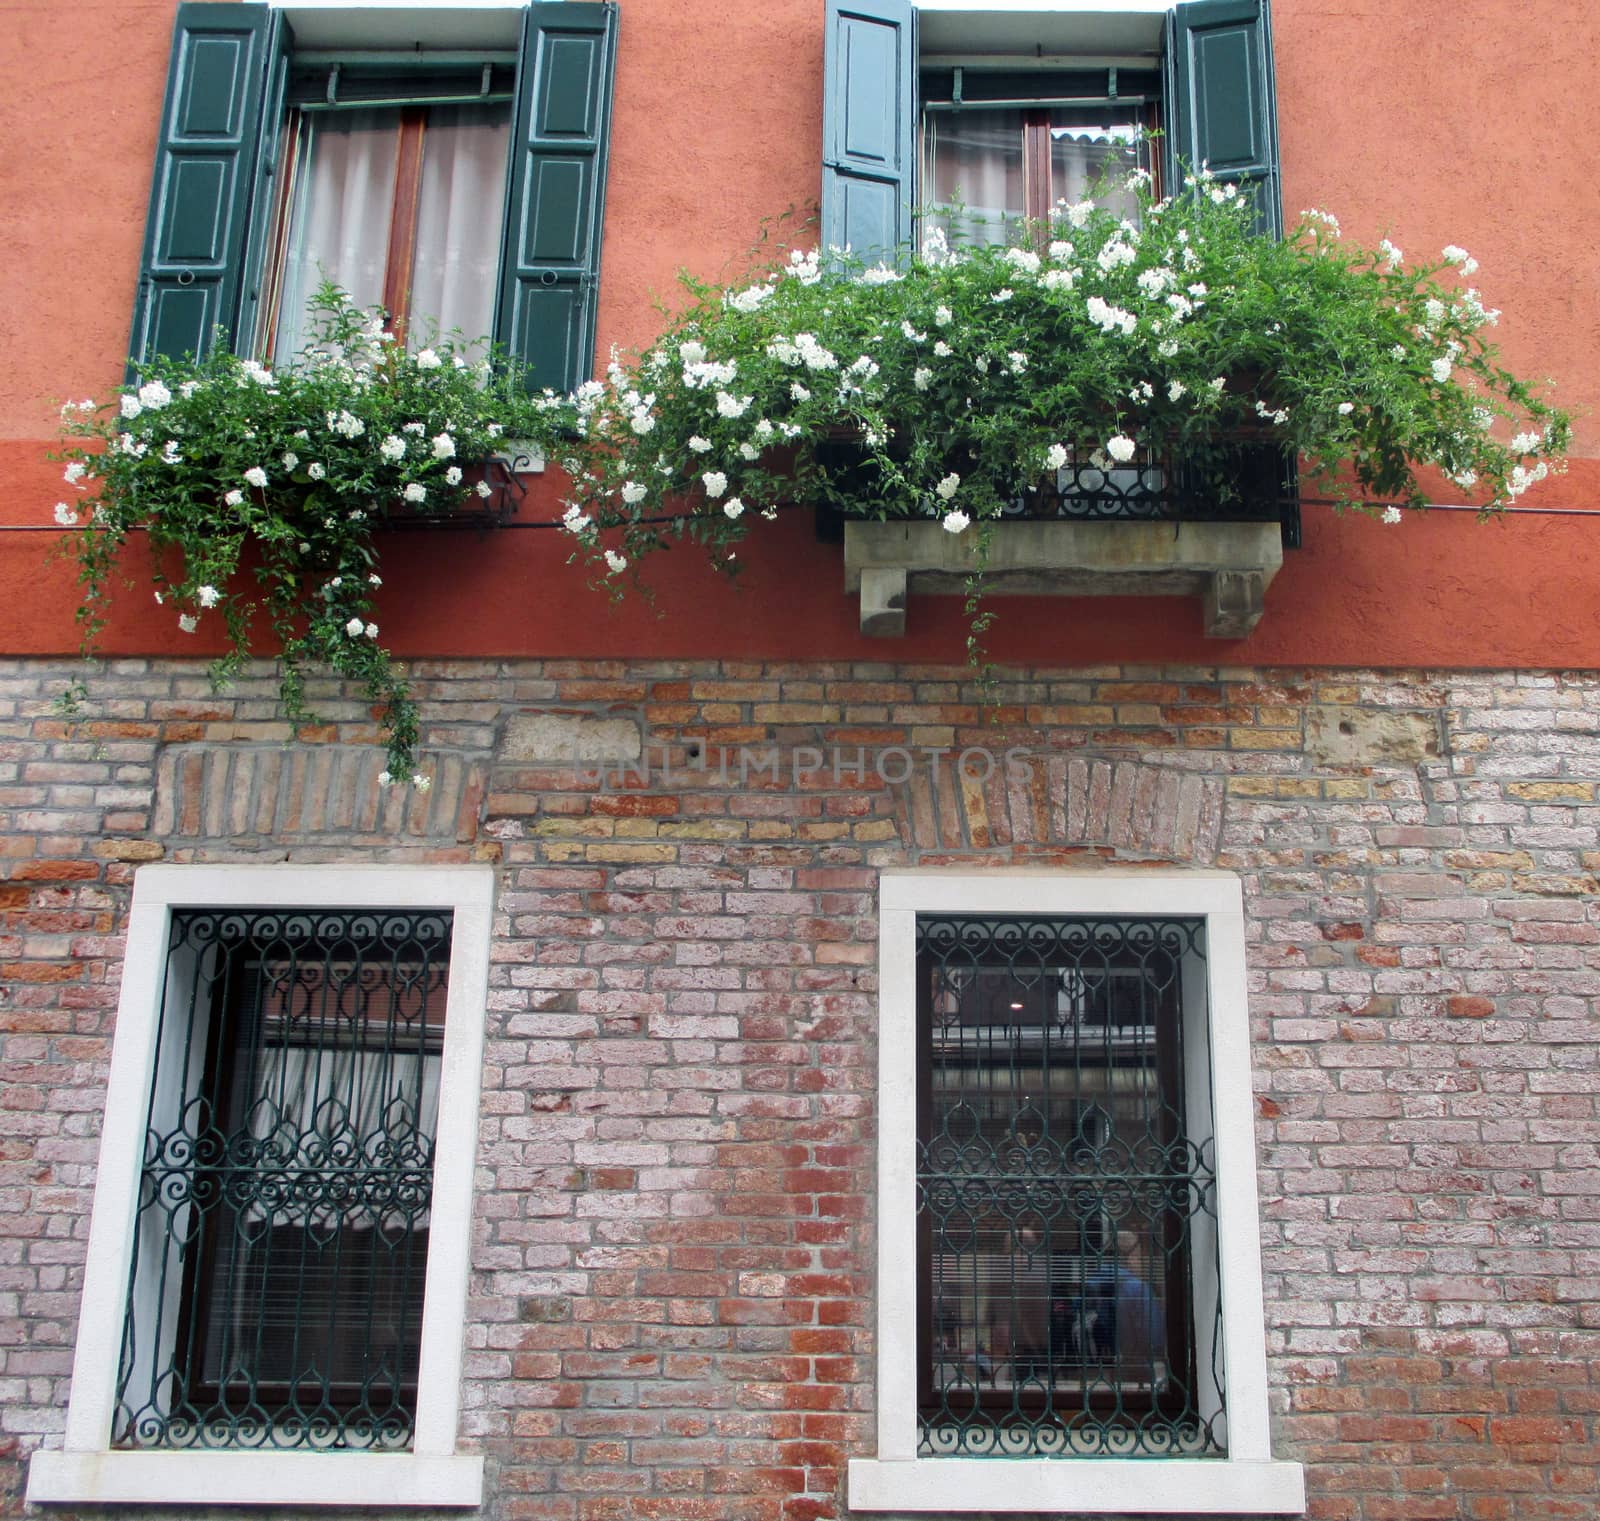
[1436, 121]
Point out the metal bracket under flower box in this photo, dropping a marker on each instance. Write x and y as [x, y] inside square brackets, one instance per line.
[1227, 565]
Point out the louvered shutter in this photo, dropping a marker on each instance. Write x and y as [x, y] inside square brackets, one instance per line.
[869, 108]
[1221, 101]
[207, 159]
[550, 259]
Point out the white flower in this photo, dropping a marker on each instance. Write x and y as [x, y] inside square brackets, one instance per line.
[371, 631]
[1219, 384]
[355, 628]
[1526, 443]
[393, 447]
[1441, 370]
[1391, 515]
[943, 315]
[414, 427]
[316, 471]
[169, 452]
[954, 521]
[1061, 250]
[1167, 348]
[188, 623]
[1454, 254]
[749, 300]
[1058, 279]
[1120, 447]
[575, 520]
[66, 516]
[384, 779]
[942, 350]
[1346, 408]
[1398, 351]
[1055, 457]
[1391, 255]
[911, 333]
[421, 782]
[733, 507]
[922, 377]
[1017, 360]
[290, 459]
[160, 600]
[731, 406]
[1001, 296]
[1176, 389]
[641, 421]
[880, 274]
[1023, 259]
[798, 392]
[748, 450]
[947, 487]
[764, 429]
[75, 472]
[347, 424]
[615, 562]
[698, 444]
[633, 492]
[414, 492]
[336, 583]
[444, 447]
[154, 395]
[1115, 253]
[428, 360]
[691, 352]
[484, 489]
[452, 476]
[715, 482]
[1080, 212]
[131, 407]
[234, 499]
[207, 596]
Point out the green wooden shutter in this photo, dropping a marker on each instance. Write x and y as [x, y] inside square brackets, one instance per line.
[207, 159]
[869, 111]
[1222, 106]
[550, 259]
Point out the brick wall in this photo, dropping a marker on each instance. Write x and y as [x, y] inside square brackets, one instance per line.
[672, 1300]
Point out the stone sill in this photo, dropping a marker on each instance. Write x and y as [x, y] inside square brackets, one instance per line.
[1227, 565]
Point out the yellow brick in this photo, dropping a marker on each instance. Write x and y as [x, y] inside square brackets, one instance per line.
[1552, 792]
[573, 829]
[630, 854]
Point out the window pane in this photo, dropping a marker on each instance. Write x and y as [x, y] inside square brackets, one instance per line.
[974, 162]
[1091, 156]
[459, 217]
[285, 1199]
[1062, 1197]
[339, 220]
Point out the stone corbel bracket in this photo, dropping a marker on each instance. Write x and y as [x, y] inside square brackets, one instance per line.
[1227, 565]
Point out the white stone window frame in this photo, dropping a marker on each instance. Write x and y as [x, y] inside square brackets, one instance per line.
[87, 1469]
[1247, 1480]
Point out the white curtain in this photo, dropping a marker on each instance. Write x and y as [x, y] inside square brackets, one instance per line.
[974, 162]
[459, 219]
[339, 227]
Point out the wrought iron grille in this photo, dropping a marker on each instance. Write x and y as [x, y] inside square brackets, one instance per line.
[1237, 481]
[275, 1297]
[1070, 1302]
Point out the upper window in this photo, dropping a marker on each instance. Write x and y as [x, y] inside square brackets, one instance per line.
[399, 203]
[1005, 113]
[1069, 1279]
[456, 183]
[278, 1252]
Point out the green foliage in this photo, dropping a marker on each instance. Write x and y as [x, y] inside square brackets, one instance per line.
[967, 374]
[260, 490]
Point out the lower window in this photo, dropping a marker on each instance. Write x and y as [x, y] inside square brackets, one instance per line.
[1069, 1273]
[275, 1292]
[1065, 1190]
[287, 1181]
